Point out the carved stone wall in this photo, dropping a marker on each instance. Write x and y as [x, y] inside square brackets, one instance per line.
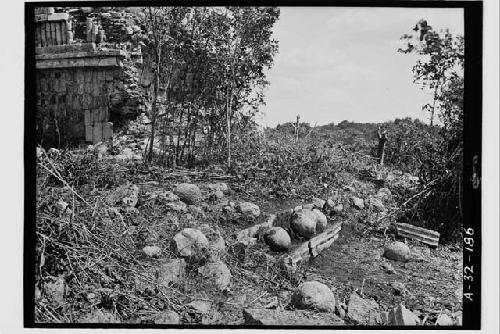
[75, 83]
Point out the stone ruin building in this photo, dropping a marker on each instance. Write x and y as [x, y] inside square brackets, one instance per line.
[81, 81]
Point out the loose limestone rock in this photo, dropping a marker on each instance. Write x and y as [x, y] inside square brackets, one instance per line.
[100, 316]
[171, 272]
[318, 202]
[188, 193]
[277, 239]
[314, 295]
[167, 318]
[304, 223]
[358, 202]
[216, 196]
[363, 311]
[55, 290]
[220, 186]
[376, 203]
[384, 193]
[401, 316]
[290, 318]
[321, 221]
[200, 306]
[217, 273]
[444, 320]
[457, 318]
[338, 208]
[397, 251]
[249, 209]
[169, 196]
[176, 206]
[196, 211]
[191, 243]
[152, 251]
[127, 195]
[217, 245]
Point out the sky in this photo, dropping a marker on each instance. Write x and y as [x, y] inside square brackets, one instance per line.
[341, 63]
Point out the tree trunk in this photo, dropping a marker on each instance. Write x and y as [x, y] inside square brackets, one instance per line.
[154, 113]
[297, 129]
[382, 139]
[228, 124]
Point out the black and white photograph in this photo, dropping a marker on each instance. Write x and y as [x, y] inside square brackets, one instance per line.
[253, 166]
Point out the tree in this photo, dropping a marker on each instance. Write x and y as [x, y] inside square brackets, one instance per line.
[162, 23]
[440, 69]
[442, 59]
[247, 51]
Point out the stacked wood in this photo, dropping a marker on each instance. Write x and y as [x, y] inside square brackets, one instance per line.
[428, 237]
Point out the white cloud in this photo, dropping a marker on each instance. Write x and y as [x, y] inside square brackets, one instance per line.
[342, 63]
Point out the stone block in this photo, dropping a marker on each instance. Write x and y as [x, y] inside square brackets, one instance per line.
[41, 17]
[88, 75]
[87, 87]
[57, 29]
[85, 102]
[89, 129]
[324, 240]
[428, 237]
[58, 17]
[88, 117]
[107, 130]
[42, 35]
[101, 74]
[76, 104]
[80, 87]
[62, 33]
[97, 132]
[96, 116]
[109, 74]
[48, 36]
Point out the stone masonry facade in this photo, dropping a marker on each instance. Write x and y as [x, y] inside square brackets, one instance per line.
[75, 82]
